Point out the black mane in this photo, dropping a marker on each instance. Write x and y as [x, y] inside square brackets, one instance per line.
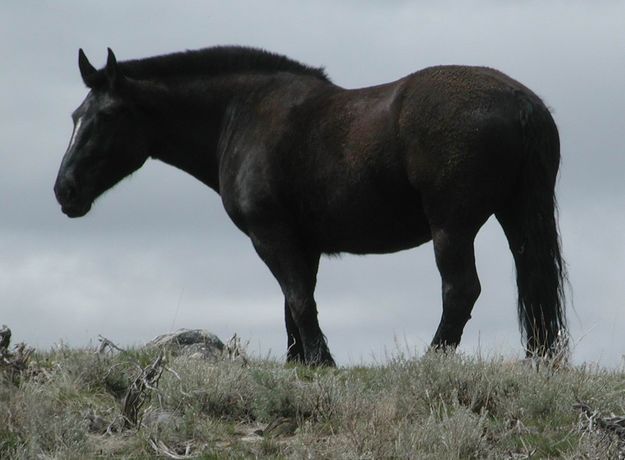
[210, 61]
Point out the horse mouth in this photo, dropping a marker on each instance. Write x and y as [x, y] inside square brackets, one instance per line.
[75, 210]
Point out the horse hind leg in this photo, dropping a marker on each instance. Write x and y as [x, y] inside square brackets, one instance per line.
[455, 260]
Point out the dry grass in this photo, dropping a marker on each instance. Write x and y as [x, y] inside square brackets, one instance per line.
[70, 404]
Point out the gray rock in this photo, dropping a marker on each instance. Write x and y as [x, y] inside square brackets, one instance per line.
[190, 342]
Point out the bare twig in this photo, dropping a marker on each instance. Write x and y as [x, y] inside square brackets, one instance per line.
[161, 448]
[21, 355]
[104, 343]
[175, 374]
[235, 350]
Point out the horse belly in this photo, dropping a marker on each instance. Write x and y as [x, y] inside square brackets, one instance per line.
[371, 224]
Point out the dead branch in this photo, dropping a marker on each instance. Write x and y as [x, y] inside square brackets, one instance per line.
[16, 361]
[140, 391]
[613, 424]
[5, 339]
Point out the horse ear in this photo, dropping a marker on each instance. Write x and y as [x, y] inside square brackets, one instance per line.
[86, 69]
[113, 74]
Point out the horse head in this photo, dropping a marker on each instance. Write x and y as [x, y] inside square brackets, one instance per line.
[108, 142]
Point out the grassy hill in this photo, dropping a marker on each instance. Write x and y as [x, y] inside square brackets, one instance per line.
[70, 403]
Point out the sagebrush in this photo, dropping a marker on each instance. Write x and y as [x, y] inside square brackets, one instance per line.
[69, 404]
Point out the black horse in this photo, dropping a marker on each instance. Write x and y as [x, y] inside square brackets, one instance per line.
[305, 167]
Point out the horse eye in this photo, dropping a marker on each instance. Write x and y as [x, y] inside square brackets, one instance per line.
[111, 114]
[107, 114]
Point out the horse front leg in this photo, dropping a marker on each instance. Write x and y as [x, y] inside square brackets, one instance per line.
[294, 347]
[295, 269]
[460, 284]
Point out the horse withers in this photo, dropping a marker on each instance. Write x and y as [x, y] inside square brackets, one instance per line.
[305, 168]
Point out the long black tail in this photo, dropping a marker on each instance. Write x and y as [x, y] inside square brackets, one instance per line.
[529, 222]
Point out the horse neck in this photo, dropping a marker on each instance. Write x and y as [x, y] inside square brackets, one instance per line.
[191, 115]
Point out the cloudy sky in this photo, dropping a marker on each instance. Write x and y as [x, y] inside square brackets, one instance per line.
[158, 252]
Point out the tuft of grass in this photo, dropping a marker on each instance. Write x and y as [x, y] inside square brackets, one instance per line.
[451, 406]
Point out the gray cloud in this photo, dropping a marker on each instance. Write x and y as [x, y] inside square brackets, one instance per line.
[158, 251]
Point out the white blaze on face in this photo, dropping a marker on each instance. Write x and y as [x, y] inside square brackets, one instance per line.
[74, 134]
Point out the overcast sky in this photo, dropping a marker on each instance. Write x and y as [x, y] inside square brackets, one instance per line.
[158, 252]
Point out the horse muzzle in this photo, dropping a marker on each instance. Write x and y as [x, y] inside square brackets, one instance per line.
[69, 197]
[76, 211]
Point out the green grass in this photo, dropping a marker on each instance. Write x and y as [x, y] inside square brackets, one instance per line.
[436, 406]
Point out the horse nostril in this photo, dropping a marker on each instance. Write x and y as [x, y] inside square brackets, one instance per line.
[69, 192]
[66, 190]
